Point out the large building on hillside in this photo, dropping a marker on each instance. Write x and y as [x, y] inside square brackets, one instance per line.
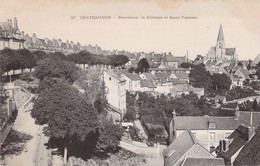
[10, 35]
[219, 51]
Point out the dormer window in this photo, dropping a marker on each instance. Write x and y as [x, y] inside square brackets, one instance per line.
[212, 125]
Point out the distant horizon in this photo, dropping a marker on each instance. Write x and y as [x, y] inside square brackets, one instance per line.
[119, 29]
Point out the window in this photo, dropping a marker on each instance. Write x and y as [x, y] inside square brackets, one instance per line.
[212, 125]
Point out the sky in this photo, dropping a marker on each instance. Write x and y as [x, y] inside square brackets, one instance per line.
[53, 19]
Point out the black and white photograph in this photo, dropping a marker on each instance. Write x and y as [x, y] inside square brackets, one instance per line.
[129, 83]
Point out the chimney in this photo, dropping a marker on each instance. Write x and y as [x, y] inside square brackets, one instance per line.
[220, 146]
[236, 115]
[34, 38]
[172, 131]
[15, 23]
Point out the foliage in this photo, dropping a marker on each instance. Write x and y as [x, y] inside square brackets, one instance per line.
[142, 66]
[131, 69]
[200, 77]
[66, 113]
[109, 135]
[94, 88]
[85, 57]
[187, 65]
[255, 85]
[16, 59]
[221, 82]
[130, 114]
[239, 92]
[57, 68]
[198, 57]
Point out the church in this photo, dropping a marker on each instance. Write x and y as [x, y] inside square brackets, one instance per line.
[219, 51]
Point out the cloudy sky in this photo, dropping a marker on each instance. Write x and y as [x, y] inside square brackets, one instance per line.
[53, 19]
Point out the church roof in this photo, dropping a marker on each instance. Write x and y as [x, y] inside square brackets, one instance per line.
[230, 51]
[220, 34]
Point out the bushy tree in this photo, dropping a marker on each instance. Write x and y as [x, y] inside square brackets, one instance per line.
[200, 77]
[57, 68]
[221, 82]
[143, 66]
[67, 114]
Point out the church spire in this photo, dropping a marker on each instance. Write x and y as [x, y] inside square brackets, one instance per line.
[220, 34]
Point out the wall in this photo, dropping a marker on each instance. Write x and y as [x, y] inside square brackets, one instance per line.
[204, 136]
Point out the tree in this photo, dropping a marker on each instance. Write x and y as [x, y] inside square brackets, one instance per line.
[221, 82]
[187, 65]
[254, 105]
[200, 77]
[58, 68]
[131, 69]
[109, 135]
[198, 57]
[143, 65]
[94, 88]
[67, 114]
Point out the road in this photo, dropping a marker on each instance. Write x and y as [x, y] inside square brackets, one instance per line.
[35, 152]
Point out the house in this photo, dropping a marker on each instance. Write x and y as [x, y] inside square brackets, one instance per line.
[10, 35]
[256, 60]
[186, 145]
[242, 74]
[147, 85]
[180, 76]
[148, 76]
[133, 81]
[177, 90]
[230, 147]
[250, 154]
[209, 130]
[116, 94]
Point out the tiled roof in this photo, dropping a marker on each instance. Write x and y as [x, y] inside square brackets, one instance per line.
[147, 83]
[178, 148]
[256, 60]
[162, 76]
[239, 138]
[203, 161]
[230, 51]
[222, 123]
[250, 154]
[183, 146]
[132, 77]
[245, 72]
[185, 88]
[212, 51]
[182, 75]
[149, 76]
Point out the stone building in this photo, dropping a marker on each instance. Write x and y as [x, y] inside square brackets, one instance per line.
[10, 35]
[219, 51]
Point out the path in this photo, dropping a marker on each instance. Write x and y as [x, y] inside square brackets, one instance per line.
[35, 152]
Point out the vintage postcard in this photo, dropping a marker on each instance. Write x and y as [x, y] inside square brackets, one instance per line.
[129, 82]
